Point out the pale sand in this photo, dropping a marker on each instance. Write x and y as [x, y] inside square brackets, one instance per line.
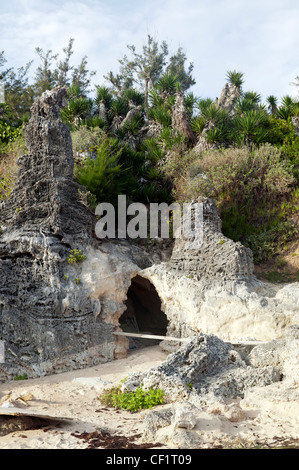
[75, 395]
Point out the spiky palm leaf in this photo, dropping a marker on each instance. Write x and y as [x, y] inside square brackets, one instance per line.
[120, 106]
[190, 102]
[252, 96]
[155, 98]
[76, 111]
[287, 101]
[243, 105]
[251, 128]
[167, 83]
[215, 114]
[284, 112]
[218, 135]
[104, 94]
[136, 97]
[171, 137]
[161, 115]
[198, 124]
[154, 173]
[272, 102]
[94, 121]
[235, 78]
[287, 107]
[134, 125]
[203, 103]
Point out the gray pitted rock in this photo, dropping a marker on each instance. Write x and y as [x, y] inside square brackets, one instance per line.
[45, 198]
[204, 370]
[211, 256]
[208, 285]
[180, 120]
[49, 317]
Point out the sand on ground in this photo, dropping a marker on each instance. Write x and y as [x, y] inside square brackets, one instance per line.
[73, 397]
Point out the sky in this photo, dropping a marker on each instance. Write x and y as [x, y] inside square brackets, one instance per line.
[259, 38]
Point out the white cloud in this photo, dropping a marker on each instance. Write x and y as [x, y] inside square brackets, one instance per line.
[258, 37]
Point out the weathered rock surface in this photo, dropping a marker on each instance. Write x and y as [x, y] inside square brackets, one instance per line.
[209, 387]
[228, 97]
[179, 118]
[213, 289]
[204, 370]
[53, 314]
[45, 197]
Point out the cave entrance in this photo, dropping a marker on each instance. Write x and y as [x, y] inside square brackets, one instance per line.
[143, 313]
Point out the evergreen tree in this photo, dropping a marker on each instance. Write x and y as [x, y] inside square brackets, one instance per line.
[53, 72]
[176, 67]
[145, 68]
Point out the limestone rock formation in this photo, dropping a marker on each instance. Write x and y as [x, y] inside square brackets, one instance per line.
[208, 386]
[180, 120]
[212, 289]
[203, 370]
[45, 198]
[228, 97]
[49, 309]
[295, 122]
[57, 316]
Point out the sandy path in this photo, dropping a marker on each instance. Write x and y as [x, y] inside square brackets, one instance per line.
[75, 396]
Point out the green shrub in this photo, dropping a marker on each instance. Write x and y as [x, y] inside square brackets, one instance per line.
[76, 256]
[87, 139]
[21, 377]
[103, 176]
[254, 190]
[8, 133]
[247, 176]
[132, 401]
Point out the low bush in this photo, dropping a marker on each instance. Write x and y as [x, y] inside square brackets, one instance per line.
[87, 139]
[76, 256]
[9, 153]
[132, 401]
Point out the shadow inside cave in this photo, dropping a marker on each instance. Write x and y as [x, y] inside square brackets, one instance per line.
[143, 313]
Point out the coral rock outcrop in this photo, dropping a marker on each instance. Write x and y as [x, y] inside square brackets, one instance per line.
[49, 315]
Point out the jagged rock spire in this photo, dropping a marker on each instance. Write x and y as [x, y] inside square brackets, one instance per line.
[45, 196]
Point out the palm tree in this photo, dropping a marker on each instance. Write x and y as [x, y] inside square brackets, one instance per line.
[252, 96]
[76, 111]
[243, 105]
[272, 103]
[235, 78]
[167, 84]
[286, 110]
[104, 95]
[251, 128]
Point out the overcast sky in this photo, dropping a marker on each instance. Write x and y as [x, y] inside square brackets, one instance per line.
[257, 37]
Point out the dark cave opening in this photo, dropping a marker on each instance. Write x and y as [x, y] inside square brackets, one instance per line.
[143, 313]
